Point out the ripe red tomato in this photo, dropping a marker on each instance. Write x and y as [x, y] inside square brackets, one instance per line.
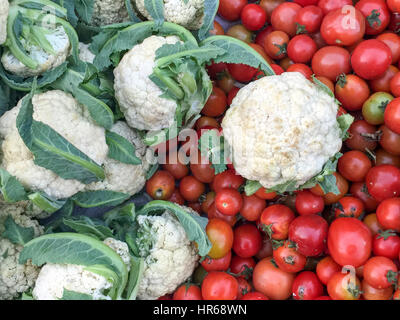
[395, 85]
[392, 40]
[371, 293]
[382, 84]
[254, 296]
[176, 197]
[221, 237]
[287, 258]
[283, 17]
[252, 207]
[351, 91]
[306, 286]
[219, 285]
[392, 115]
[308, 19]
[228, 201]
[253, 17]
[301, 48]
[230, 9]
[243, 287]
[214, 213]
[216, 103]
[380, 272]
[330, 62]
[202, 169]
[304, 3]
[394, 5]
[302, 68]
[349, 207]
[271, 281]
[191, 188]
[309, 233]
[174, 166]
[383, 182]
[370, 59]
[308, 203]
[386, 244]
[376, 13]
[275, 221]
[241, 72]
[344, 286]
[389, 140]
[339, 29]
[232, 94]
[371, 221]
[221, 264]
[187, 292]
[354, 165]
[161, 185]
[275, 44]
[227, 179]
[330, 5]
[262, 193]
[349, 242]
[361, 136]
[247, 240]
[326, 268]
[261, 35]
[242, 267]
[388, 214]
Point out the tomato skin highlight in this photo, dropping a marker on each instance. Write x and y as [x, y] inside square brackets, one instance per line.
[247, 240]
[388, 214]
[306, 286]
[219, 285]
[383, 182]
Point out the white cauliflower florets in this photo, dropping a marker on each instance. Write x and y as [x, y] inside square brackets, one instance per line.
[59, 40]
[172, 257]
[4, 6]
[138, 96]
[65, 115]
[109, 12]
[54, 278]
[85, 54]
[15, 278]
[25, 207]
[189, 15]
[280, 129]
[122, 177]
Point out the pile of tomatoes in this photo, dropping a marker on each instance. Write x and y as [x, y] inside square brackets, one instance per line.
[305, 245]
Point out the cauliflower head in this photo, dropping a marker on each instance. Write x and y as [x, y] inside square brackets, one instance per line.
[109, 12]
[189, 15]
[137, 95]
[4, 6]
[84, 53]
[281, 129]
[25, 207]
[15, 278]
[170, 258]
[65, 115]
[54, 278]
[58, 39]
[122, 177]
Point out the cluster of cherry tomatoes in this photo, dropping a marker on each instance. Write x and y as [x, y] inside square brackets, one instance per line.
[305, 245]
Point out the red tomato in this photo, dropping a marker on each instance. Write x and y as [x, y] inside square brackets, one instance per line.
[376, 13]
[386, 244]
[283, 17]
[275, 44]
[330, 62]
[370, 59]
[344, 286]
[243, 287]
[361, 136]
[304, 3]
[388, 214]
[247, 240]
[326, 268]
[371, 221]
[380, 272]
[330, 5]
[214, 213]
[175, 166]
[308, 203]
[216, 103]
[202, 169]
[242, 72]
[383, 182]
[302, 68]
[262, 193]
[354, 165]
[232, 94]
[308, 19]
[221, 264]
[395, 85]
[287, 258]
[220, 235]
[271, 281]
[275, 221]
[392, 40]
[227, 179]
[349, 242]
[187, 292]
[230, 9]
[306, 286]
[277, 69]
[219, 285]
[301, 48]
[253, 17]
[242, 267]
[389, 140]
[261, 35]
[161, 185]
[196, 206]
[176, 197]
[339, 29]
[394, 5]
[228, 201]
[309, 233]
[266, 249]
[392, 115]
[371, 293]
[191, 188]
[351, 91]
[252, 207]
[254, 296]
[382, 84]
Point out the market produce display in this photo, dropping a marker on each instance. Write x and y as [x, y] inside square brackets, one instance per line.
[199, 150]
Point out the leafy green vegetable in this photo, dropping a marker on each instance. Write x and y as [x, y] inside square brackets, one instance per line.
[56, 223]
[78, 249]
[251, 187]
[45, 202]
[194, 225]
[156, 10]
[52, 151]
[72, 295]
[213, 146]
[345, 121]
[210, 10]
[153, 169]
[324, 88]
[17, 234]
[131, 11]
[88, 226]
[11, 189]
[91, 199]
[135, 276]
[121, 149]
[237, 51]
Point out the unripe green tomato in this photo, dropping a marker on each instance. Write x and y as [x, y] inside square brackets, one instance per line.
[373, 109]
[239, 32]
